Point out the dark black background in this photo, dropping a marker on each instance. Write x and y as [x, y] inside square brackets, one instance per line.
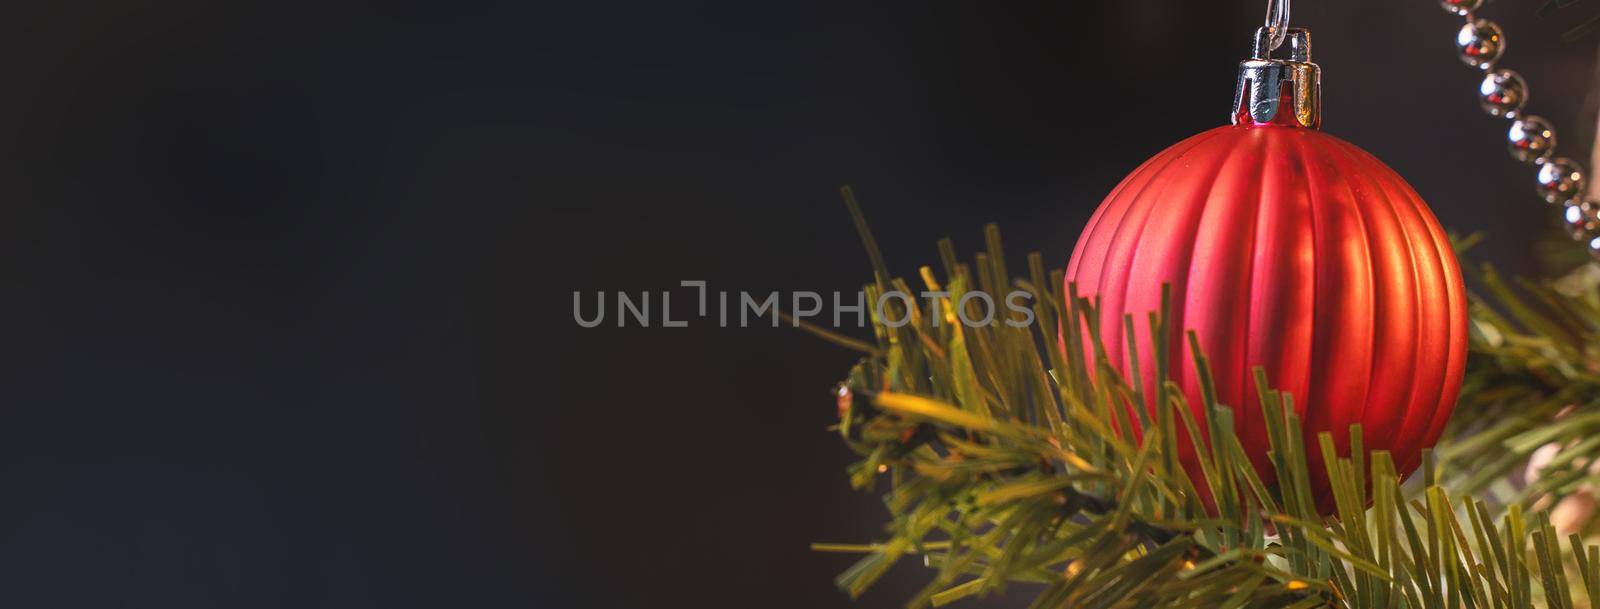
[287, 289]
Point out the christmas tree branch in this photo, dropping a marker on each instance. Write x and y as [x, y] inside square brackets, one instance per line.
[1527, 428]
[1010, 458]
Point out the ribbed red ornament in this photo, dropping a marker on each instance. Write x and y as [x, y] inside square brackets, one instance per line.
[1292, 250]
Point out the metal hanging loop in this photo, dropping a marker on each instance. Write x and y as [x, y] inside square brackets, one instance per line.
[1277, 25]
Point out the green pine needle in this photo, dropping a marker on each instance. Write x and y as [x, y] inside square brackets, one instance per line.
[1011, 460]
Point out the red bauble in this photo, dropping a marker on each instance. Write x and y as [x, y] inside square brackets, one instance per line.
[1292, 250]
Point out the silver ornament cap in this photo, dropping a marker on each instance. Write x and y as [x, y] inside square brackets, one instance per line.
[1266, 85]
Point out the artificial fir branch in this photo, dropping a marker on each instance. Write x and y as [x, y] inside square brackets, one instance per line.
[1009, 459]
[1532, 386]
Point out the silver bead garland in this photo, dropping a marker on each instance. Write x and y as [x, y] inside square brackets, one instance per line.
[1581, 219]
[1532, 140]
[1561, 181]
[1481, 43]
[1461, 7]
[1503, 93]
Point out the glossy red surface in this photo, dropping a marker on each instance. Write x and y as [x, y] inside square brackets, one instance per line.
[1296, 251]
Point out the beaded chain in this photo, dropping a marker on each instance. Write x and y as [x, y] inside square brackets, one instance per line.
[1560, 180]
